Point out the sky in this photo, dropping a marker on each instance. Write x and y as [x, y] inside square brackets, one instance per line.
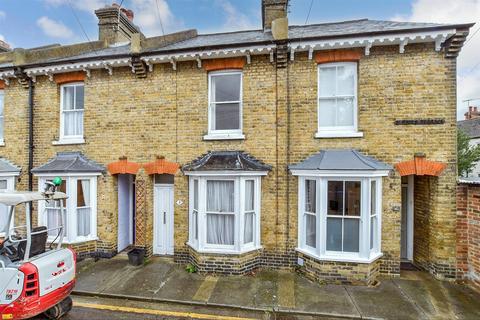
[32, 23]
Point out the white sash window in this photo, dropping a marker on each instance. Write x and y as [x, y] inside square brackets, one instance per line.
[72, 109]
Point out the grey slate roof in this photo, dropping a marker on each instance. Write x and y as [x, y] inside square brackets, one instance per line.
[226, 160]
[66, 162]
[471, 127]
[340, 159]
[8, 167]
[253, 37]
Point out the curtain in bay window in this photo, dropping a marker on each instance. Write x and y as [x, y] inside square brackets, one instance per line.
[249, 211]
[83, 208]
[220, 212]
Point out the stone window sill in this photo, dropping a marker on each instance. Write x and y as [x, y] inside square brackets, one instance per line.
[224, 251]
[229, 136]
[76, 241]
[338, 258]
[62, 142]
[338, 134]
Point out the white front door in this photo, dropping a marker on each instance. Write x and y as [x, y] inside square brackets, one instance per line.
[163, 220]
[125, 211]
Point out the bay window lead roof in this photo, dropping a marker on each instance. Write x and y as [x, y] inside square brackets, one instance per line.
[340, 159]
[65, 162]
[226, 160]
[8, 167]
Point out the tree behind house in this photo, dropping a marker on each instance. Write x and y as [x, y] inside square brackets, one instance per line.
[468, 155]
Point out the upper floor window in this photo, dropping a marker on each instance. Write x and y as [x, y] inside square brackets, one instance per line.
[225, 105]
[72, 106]
[1, 115]
[337, 99]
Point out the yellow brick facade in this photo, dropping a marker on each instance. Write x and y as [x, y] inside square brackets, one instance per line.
[166, 114]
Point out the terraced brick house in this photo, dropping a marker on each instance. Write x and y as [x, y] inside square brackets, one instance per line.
[330, 148]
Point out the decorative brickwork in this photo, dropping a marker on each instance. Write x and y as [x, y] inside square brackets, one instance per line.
[342, 55]
[62, 78]
[140, 213]
[223, 64]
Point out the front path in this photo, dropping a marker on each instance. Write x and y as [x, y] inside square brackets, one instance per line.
[416, 295]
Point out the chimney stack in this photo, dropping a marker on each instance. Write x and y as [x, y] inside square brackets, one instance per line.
[472, 113]
[272, 10]
[115, 24]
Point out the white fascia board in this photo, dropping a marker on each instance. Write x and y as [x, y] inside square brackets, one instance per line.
[10, 174]
[340, 173]
[378, 40]
[226, 173]
[209, 54]
[78, 66]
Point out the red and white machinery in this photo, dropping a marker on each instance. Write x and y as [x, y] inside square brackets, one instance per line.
[34, 278]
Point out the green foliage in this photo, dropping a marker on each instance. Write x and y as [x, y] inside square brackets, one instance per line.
[190, 268]
[467, 155]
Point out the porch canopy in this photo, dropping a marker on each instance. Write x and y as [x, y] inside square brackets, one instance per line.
[226, 161]
[420, 166]
[340, 161]
[123, 166]
[8, 168]
[161, 166]
[69, 162]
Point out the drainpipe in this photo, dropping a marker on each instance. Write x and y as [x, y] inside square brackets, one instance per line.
[30, 134]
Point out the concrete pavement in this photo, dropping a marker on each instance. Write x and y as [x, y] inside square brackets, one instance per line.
[416, 295]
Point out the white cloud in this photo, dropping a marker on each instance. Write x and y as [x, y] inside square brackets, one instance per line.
[455, 11]
[55, 29]
[148, 13]
[234, 19]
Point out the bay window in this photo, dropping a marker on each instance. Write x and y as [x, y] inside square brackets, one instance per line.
[72, 109]
[225, 105]
[80, 218]
[339, 217]
[224, 213]
[337, 100]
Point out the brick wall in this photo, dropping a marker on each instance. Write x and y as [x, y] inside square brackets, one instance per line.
[468, 234]
[166, 114]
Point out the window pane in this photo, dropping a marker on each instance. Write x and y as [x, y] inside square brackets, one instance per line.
[352, 198]
[335, 197]
[351, 235]
[220, 229]
[195, 224]
[345, 112]
[227, 116]
[226, 87]
[249, 226]
[79, 96]
[83, 193]
[79, 124]
[53, 221]
[68, 96]
[310, 230]
[346, 79]
[249, 195]
[220, 196]
[334, 234]
[310, 198]
[195, 194]
[3, 184]
[373, 231]
[327, 116]
[373, 198]
[326, 81]
[83, 222]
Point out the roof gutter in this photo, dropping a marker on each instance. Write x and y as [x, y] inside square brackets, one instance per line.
[245, 44]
